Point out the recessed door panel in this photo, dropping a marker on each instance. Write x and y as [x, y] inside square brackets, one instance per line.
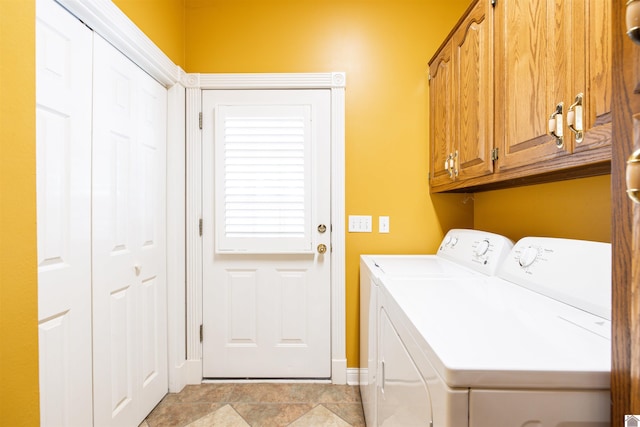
[242, 299]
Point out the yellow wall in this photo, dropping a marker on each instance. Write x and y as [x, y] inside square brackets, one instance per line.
[18, 299]
[384, 47]
[162, 21]
[577, 209]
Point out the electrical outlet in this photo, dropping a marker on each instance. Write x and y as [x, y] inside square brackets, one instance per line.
[383, 224]
[360, 223]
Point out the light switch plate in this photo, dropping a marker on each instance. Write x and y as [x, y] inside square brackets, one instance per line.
[383, 224]
[360, 223]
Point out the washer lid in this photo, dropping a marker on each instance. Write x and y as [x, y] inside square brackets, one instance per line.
[415, 266]
[491, 333]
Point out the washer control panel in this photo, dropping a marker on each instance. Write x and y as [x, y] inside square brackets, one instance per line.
[479, 250]
[576, 272]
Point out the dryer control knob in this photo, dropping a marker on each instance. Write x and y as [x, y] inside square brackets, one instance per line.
[528, 257]
[482, 248]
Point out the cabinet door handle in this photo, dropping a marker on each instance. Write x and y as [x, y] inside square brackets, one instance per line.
[555, 125]
[448, 165]
[455, 164]
[574, 119]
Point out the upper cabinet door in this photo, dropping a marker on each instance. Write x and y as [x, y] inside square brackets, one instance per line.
[473, 91]
[441, 116]
[533, 75]
[461, 96]
[593, 74]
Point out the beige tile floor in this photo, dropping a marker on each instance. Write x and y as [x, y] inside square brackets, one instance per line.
[260, 405]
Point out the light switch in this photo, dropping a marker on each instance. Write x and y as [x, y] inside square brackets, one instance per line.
[360, 223]
[383, 224]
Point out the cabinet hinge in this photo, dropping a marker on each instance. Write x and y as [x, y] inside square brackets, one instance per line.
[200, 226]
[201, 333]
[429, 77]
[494, 154]
[200, 120]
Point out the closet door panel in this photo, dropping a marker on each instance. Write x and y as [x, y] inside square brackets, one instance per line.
[63, 169]
[129, 279]
[151, 231]
[115, 285]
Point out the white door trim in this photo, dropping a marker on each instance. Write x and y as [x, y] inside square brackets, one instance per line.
[195, 83]
[106, 19]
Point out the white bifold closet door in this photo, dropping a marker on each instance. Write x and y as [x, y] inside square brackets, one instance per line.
[101, 185]
[63, 164]
[129, 233]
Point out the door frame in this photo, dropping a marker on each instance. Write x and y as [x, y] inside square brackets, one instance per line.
[195, 84]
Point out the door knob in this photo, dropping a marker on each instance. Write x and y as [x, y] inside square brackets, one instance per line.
[633, 176]
[322, 248]
[633, 20]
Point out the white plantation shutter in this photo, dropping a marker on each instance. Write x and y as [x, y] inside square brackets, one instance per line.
[262, 178]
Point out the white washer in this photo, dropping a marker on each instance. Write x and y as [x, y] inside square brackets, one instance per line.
[530, 347]
[462, 253]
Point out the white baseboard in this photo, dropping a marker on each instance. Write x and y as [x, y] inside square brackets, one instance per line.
[353, 376]
[194, 371]
[339, 371]
[178, 378]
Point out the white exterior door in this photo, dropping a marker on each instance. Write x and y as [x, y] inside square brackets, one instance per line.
[129, 255]
[63, 150]
[266, 212]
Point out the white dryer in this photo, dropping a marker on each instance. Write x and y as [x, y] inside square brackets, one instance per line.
[530, 347]
[462, 253]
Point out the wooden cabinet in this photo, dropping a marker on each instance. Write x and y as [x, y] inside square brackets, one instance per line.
[515, 64]
[461, 80]
[545, 58]
[532, 75]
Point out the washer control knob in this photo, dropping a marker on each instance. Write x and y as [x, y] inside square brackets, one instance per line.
[454, 241]
[528, 257]
[482, 247]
